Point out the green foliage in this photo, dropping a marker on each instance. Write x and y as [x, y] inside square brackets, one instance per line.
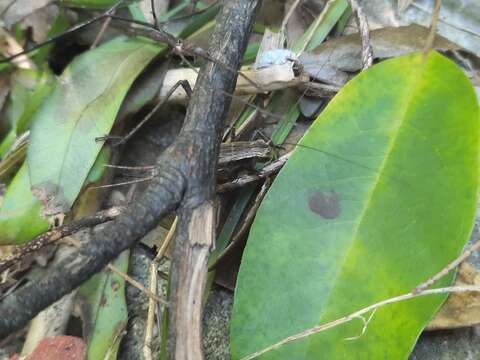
[67, 116]
[104, 311]
[82, 107]
[29, 89]
[61, 23]
[321, 27]
[314, 36]
[386, 201]
[20, 213]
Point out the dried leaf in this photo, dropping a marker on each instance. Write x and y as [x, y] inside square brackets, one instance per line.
[459, 21]
[333, 61]
[461, 309]
[14, 11]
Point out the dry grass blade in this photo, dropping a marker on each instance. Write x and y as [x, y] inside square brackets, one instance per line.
[147, 349]
[359, 314]
[433, 26]
[136, 284]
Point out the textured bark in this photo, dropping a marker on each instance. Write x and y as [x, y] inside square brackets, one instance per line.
[186, 177]
[195, 234]
[161, 197]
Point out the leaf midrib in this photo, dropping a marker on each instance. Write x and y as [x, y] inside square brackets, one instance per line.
[87, 106]
[371, 193]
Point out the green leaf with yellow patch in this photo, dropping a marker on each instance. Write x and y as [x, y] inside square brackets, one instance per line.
[380, 195]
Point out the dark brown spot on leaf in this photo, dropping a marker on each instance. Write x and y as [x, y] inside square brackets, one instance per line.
[325, 204]
[115, 285]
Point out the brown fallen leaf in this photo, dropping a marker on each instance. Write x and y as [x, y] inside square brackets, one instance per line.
[58, 348]
[334, 61]
[460, 309]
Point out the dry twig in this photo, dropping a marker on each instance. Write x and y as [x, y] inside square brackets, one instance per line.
[359, 314]
[367, 51]
[433, 27]
[446, 270]
[135, 283]
[147, 349]
[54, 235]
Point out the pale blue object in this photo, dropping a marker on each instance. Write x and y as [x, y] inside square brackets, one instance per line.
[274, 57]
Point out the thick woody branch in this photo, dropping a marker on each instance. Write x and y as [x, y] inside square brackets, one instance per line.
[205, 116]
[56, 234]
[162, 196]
[193, 243]
[186, 177]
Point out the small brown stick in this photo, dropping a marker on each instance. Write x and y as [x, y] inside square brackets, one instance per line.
[154, 14]
[242, 150]
[289, 14]
[184, 47]
[433, 27]
[268, 170]
[246, 223]
[273, 77]
[130, 182]
[147, 347]
[358, 314]
[362, 22]
[182, 83]
[135, 283]
[12, 47]
[51, 236]
[444, 272]
[100, 34]
[134, 168]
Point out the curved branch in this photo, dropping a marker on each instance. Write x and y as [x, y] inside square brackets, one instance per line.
[162, 196]
[186, 177]
[202, 129]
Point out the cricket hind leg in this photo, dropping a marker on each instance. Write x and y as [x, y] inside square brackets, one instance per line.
[120, 140]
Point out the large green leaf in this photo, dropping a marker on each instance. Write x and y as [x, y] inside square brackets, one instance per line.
[81, 108]
[386, 203]
[104, 311]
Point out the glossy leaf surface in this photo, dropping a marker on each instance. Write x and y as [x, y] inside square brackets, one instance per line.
[82, 107]
[385, 201]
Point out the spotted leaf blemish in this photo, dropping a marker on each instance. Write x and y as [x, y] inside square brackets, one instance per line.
[325, 204]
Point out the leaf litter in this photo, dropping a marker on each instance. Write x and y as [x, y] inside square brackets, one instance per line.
[328, 202]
